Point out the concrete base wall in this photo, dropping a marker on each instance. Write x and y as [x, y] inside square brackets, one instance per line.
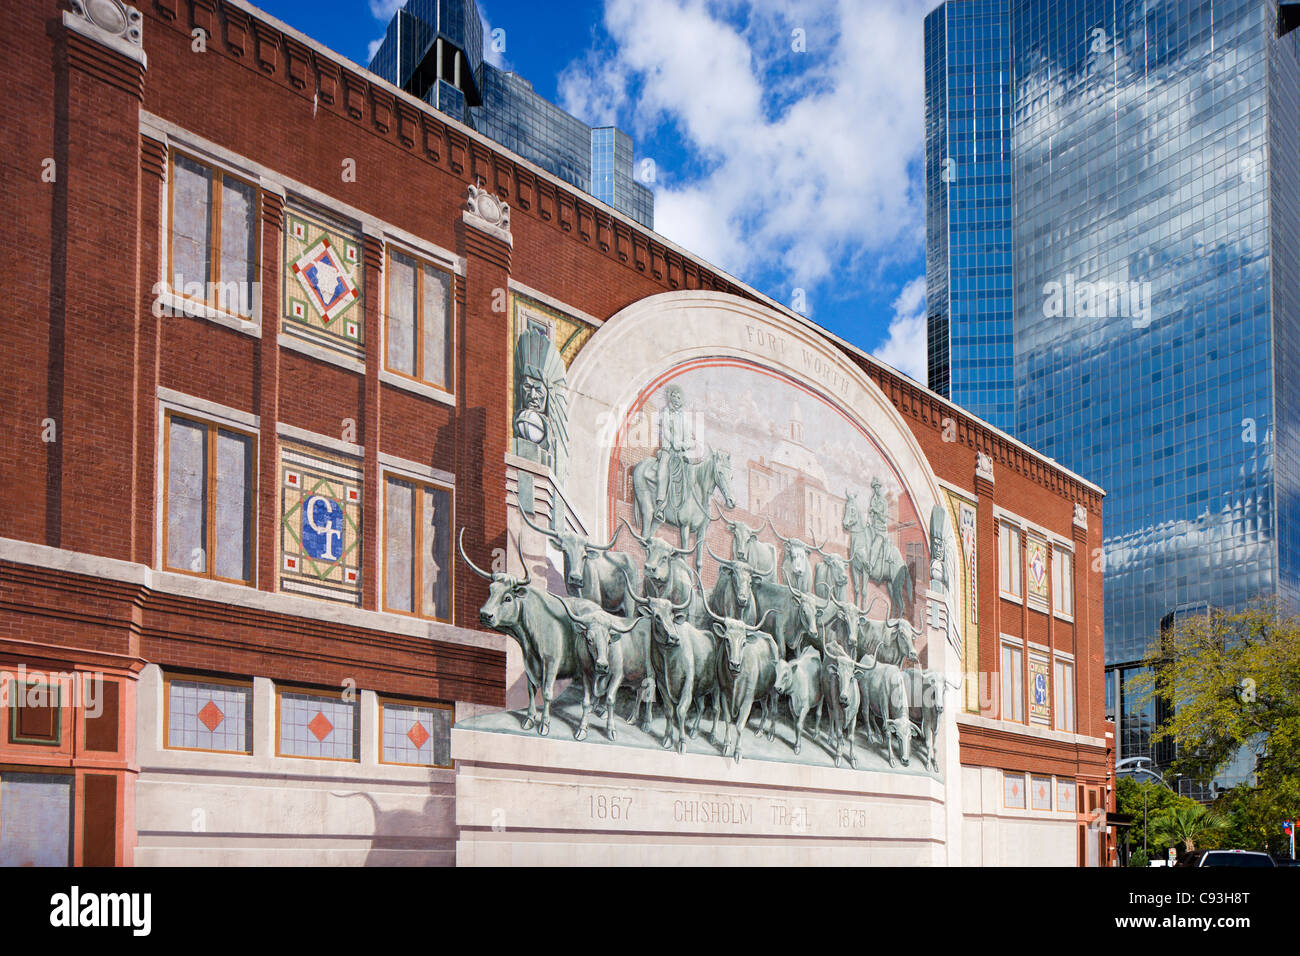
[993, 835]
[543, 801]
[197, 808]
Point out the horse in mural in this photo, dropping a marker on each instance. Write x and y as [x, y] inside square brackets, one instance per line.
[875, 560]
[688, 512]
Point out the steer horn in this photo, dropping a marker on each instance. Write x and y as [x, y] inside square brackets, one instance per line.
[606, 547]
[722, 561]
[576, 618]
[772, 527]
[546, 531]
[645, 542]
[523, 562]
[631, 588]
[460, 541]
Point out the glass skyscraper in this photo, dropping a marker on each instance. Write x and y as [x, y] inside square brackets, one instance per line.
[433, 49]
[1113, 212]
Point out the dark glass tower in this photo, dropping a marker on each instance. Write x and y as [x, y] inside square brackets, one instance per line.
[1152, 198]
[433, 49]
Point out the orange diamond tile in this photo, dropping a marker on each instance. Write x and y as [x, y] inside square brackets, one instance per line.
[417, 734]
[211, 716]
[320, 726]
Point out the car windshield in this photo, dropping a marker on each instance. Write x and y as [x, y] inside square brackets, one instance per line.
[1236, 859]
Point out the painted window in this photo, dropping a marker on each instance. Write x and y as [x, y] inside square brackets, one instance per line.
[1013, 790]
[417, 734]
[1041, 790]
[418, 320]
[1013, 683]
[320, 524]
[417, 548]
[1063, 582]
[35, 713]
[323, 282]
[209, 714]
[35, 819]
[213, 249]
[1009, 560]
[323, 726]
[1065, 795]
[1064, 696]
[209, 495]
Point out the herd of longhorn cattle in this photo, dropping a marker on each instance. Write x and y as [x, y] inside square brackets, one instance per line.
[773, 626]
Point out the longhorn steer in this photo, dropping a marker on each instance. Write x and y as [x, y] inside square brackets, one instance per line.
[591, 570]
[733, 592]
[746, 546]
[831, 577]
[884, 696]
[840, 624]
[796, 614]
[746, 672]
[800, 682]
[796, 570]
[842, 698]
[925, 690]
[685, 664]
[539, 621]
[611, 650]
[892, 641]
[665, 574]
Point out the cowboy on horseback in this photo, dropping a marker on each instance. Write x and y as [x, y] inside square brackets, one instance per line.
[877, 512]
[675, 440]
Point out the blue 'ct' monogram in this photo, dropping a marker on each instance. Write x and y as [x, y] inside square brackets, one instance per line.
[322, 528]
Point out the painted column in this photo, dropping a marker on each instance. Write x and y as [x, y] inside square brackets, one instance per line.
[99, 79]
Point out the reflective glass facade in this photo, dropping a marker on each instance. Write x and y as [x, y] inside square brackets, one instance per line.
[433, 49]
[1153, 308]
[968, 188]
[518, 118]
[612, 178]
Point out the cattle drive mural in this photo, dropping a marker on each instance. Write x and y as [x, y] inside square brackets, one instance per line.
[748, 591]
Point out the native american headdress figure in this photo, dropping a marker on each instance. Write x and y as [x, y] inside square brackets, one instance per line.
[541, 402]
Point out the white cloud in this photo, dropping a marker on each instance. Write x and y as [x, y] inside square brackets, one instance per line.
[384, 9]
[491, 54]
[803, 173]
[905, 347]
[372, 48]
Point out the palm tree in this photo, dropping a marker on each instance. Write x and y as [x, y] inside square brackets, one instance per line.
[1185, 825]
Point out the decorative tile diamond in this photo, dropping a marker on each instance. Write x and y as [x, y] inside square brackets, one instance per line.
[320, 524]
[211, 716]
[320, 726]
[326, 281]
[418, 734]
[323, 281]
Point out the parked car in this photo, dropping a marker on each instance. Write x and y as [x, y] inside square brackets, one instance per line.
[1286, 861]
[1226, 858]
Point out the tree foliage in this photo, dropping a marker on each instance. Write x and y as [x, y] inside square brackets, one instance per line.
[1184, 826]
[1234, 681]
[1160, 801]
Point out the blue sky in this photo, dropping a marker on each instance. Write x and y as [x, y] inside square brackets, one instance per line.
[786, 134]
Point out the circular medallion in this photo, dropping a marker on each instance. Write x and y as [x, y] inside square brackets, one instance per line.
[107, 15]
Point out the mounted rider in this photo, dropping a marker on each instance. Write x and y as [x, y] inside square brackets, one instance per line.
[878, 516]
[675, 441]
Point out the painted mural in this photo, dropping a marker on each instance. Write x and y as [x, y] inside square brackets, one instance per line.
[766, 570]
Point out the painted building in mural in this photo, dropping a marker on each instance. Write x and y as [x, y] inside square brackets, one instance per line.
[402, 505]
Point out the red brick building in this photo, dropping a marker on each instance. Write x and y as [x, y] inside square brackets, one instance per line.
[262, 369]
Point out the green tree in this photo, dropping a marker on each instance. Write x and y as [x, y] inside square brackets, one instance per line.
[1145, 801]
[1185, 825]
[1234, 680]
